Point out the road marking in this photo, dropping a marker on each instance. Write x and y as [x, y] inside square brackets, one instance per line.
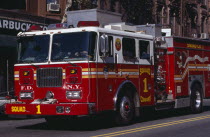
[152, 127]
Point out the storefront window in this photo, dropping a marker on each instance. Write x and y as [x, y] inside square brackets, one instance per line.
[53, 1]
[53, 6]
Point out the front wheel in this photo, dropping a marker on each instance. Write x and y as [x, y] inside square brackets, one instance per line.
[196, 99]
[125, 111]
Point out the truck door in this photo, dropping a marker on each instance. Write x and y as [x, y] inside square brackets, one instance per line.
[105, 72]
[146, 72]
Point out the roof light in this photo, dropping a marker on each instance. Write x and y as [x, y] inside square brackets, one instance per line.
[57, 26]
[88, 24]
[35, 28]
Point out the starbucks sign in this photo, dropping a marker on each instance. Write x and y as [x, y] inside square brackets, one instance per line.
[18, 26]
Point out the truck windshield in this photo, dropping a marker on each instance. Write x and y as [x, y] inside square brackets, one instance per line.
[78, 46]
[33, 49]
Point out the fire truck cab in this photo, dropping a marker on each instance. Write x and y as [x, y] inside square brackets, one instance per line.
[88, 70]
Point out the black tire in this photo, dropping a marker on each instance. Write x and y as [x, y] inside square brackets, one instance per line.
[125, 111]
[196, 99]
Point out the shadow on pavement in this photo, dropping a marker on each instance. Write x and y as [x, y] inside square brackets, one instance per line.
[3, 117]
[78, 124]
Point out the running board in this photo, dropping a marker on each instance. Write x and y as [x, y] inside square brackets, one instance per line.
[165, 105]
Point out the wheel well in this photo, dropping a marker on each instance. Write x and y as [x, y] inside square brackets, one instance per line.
[127, 89]
[196, 99]
[196, 83]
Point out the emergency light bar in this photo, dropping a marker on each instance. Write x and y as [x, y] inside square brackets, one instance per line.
[88, 24]
[57, 26]
[80, 24]
[35, 28]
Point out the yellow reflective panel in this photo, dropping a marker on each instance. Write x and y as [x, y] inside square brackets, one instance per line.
[26, 73]
[73, 71]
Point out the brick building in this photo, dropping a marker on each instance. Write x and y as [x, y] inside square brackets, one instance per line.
[46, 8]
[189, 18]
[17, 16]
[185, 17]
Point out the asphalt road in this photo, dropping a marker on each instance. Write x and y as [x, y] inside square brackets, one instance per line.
[176, 123]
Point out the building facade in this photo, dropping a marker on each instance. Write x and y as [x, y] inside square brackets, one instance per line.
[15, 16]
[188, 18]
[47, 8]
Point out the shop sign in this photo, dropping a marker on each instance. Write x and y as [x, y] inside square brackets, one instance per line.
[17, 25]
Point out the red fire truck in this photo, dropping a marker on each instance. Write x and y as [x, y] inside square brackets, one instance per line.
[89, 69]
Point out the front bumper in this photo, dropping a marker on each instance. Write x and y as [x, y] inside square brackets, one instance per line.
[50, 109]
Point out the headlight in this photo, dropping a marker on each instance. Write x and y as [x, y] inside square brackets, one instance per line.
[73, 94]
[26, 95]
[59, 109]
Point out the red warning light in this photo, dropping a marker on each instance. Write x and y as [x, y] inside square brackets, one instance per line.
[35, 28]
[57, 26]
[88, 24]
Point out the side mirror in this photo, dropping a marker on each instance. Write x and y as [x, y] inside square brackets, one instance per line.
[104, 45]
[151, 60]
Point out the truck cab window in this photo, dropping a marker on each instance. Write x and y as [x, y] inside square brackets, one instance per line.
[128, 48]
[78, 46]
[34, 49]
[144, 50]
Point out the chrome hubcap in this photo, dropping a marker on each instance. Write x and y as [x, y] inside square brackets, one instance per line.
[125, 108]
[197, 99]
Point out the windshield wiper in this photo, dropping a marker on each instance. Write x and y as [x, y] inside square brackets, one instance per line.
[70, 63]
[29, 62]
[61, 59]
[32, 64]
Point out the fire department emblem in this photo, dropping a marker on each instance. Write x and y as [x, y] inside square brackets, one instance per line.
[118, 44]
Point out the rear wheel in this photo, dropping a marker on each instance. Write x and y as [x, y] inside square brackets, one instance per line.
[125, 111]
[196, 99]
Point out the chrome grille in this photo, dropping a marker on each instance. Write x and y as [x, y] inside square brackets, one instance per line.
[49, 77]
